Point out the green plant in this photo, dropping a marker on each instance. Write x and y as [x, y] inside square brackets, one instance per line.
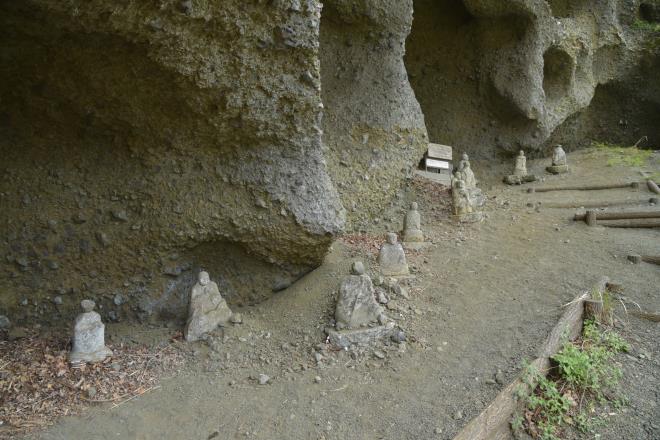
[618, 155]
[585, 373]
[646, 26]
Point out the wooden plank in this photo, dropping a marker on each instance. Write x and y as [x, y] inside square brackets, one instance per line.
[494, 422]
[440, 164]
[438, 151]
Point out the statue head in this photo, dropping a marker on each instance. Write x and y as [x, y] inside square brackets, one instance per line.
[558, 148]
[87, 305]
[391, 238]
[357, 268]
[465, 156]
[203, 278]
[521, 154]
[413, 206]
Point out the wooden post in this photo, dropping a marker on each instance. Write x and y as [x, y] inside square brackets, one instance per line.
[591, 219]
[635, 259]
[653, 187]
[593, 309]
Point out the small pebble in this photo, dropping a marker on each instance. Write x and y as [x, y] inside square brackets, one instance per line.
[263, 379]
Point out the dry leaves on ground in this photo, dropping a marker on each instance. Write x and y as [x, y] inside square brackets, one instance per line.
[38, 385]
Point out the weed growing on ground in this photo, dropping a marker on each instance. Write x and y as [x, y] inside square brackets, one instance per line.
[647, 26]
[584, 375]
[618, 155]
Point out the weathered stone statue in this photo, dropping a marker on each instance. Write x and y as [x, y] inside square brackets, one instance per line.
[356, 306]
[465, 208]
[89, 336]
[392, 258]
[520, 174]
[559, 163]
[412, 229]
[521, 165]
[465, 170]
[359, 319]
[208, 309]
[464, 173]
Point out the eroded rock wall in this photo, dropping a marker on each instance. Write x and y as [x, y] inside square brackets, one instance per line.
[496, 76]
[141, 141]
[373, 126]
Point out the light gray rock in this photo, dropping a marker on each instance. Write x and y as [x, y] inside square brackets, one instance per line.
[207, 309]
[356, 305]
[392, 258]
[89, 336]
[264, 379]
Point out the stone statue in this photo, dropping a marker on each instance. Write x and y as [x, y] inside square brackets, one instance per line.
[520, 175]
[356, 306]
[392, 258]
[412, 230]
[521, 165]
[559, 163]
[207, 310]
[465, 207]
[359, 319]
[89, 336]
[464, 173]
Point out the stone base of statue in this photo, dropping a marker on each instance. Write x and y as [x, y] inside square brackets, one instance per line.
[361, 336]
[514, 179]
[557, 169]
[473, 217]
[415, 245]
[413, 235]
[91, 357]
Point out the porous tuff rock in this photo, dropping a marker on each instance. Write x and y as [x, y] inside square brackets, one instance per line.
[504, 75]
[373, 126]
[200, 125]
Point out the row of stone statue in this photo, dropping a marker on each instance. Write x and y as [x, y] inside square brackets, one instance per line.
[207, 310]
[520, 174]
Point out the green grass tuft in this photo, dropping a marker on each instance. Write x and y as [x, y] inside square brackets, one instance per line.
[626, 156]
[585, 374]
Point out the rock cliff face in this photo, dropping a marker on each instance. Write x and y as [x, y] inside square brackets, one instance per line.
[497, 76]
[143, 141]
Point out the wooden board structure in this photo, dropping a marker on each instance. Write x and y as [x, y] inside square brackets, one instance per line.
[439, 151]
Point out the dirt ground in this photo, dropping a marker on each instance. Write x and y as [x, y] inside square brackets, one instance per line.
[483, 299]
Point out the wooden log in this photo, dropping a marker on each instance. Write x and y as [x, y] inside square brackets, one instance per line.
[585, 187]
[493, 422]
[590, 218]
[618, 215]
[653, 187]
[651, 259]
[652, 201]
[635, 223]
